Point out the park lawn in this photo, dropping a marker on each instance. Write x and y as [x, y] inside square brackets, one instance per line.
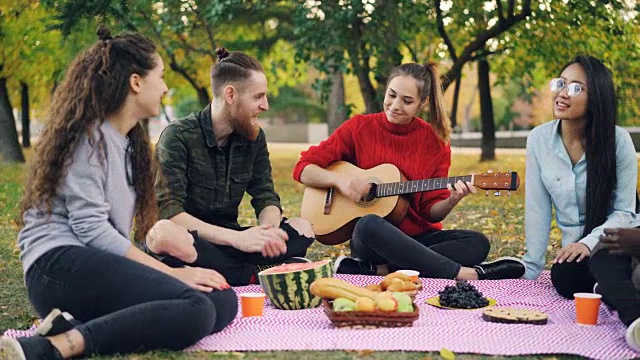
[500, 218]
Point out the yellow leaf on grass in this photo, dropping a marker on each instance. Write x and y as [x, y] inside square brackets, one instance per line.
[447, 354]
[365, 352]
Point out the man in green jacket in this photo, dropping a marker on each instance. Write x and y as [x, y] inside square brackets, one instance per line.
[208, 161]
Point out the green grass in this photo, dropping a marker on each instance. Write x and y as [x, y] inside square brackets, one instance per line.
[500, 218]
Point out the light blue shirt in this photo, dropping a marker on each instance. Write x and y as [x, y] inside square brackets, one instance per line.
[551, 179]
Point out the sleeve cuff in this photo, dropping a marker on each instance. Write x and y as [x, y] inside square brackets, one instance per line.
[263, 205]
[591, 241]
[297, 170]
[170, 210]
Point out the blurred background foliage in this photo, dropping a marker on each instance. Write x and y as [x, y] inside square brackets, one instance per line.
[327, 60]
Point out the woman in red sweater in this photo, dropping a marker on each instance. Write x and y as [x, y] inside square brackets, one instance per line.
[421, 151]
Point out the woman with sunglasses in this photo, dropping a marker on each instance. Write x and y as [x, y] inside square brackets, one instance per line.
[584, 166]
[90, 183]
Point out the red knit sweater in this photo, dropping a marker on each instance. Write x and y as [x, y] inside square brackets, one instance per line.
[370, 140]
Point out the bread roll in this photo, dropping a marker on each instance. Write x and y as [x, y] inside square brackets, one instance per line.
[331, 288]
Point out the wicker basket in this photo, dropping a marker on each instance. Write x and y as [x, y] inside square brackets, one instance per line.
[369, 319]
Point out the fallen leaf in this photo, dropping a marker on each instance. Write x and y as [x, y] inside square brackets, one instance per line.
[365, 352]
[447, 354]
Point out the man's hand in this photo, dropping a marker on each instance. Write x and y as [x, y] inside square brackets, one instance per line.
[356, 189]
[266, 239]
[576, 251]
[200, 279]
[459, 191]
[622, 241]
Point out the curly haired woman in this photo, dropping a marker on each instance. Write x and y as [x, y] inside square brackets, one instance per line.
[91, 179]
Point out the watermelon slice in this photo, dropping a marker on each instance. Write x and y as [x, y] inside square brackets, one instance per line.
[287, 285]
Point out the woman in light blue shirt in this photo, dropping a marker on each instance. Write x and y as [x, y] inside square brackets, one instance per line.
[584, 166]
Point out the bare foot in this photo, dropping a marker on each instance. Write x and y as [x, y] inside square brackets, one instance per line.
[169, 238]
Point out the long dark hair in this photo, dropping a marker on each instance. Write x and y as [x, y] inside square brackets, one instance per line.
[429, 86]
[599, 140]
[95, 86]
[233, 66]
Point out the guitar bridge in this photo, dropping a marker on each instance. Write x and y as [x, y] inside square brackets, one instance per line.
[327, 201]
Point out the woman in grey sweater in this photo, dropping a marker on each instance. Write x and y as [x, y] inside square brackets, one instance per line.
[90, 183]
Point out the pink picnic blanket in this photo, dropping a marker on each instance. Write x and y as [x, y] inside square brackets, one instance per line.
[461, 331]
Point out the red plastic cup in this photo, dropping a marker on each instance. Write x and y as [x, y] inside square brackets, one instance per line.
[252, 304]
[587, 307]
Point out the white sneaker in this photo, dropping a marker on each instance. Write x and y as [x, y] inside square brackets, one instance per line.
[633, 335]
[337, 263]
[10, 349]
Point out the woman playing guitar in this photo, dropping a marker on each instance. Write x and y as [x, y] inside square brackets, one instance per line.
[421, 151]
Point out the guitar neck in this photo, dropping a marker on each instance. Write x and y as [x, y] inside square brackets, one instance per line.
[414, 186]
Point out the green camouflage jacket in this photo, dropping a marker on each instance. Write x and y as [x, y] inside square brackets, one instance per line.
[201, 179]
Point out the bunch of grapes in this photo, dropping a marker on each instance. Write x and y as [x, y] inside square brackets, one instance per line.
[462, 296]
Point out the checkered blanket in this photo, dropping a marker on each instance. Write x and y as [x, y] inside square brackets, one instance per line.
[461, 331]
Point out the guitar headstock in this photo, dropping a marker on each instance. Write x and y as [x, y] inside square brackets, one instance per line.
[490, 180]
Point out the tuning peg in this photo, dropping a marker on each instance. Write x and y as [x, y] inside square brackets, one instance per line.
[508, 192]
[497, 193]
[489, 171]
[487, 193]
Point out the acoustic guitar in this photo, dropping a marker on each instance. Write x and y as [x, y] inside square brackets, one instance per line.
[333, 215]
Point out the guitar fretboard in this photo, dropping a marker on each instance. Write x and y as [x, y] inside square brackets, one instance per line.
[409, 187]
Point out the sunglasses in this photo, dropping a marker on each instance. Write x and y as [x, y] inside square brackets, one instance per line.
[573, 89]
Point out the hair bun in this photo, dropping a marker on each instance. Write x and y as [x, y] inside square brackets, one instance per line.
[104, 33]
[222, 53]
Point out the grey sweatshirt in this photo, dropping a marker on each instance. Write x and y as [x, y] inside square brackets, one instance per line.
[94, 205]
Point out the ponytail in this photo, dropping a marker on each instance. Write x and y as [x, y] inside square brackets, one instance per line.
[438, 116]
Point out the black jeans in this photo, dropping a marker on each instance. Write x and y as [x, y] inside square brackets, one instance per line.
[125, 306]
[613, 274]
[436, 254]
[572, 277]
[236, 266]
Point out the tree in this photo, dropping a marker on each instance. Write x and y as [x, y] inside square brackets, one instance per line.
[365, 38]
[608, 30]
[30, 58]
[10, 150]
[26, 117]
[188, 32]
[368, 37]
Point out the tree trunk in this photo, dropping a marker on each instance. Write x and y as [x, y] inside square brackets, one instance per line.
[359, 57]
[488, 145]
[26, 120]
[368, 91]
[391, 57]
[10, 150]
[336, 110]
[203, 96]
[466, 121]
[454, 107]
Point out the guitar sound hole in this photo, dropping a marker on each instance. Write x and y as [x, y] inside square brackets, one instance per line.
[370, 198]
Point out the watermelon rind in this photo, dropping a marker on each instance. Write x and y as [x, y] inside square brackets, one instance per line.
[290, 290]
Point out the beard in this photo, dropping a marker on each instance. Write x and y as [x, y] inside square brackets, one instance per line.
[247, 129]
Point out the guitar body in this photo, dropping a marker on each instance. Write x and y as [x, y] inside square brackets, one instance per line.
[333, 216]
[337, 226]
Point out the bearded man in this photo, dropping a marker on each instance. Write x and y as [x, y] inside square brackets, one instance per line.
[208, 160]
